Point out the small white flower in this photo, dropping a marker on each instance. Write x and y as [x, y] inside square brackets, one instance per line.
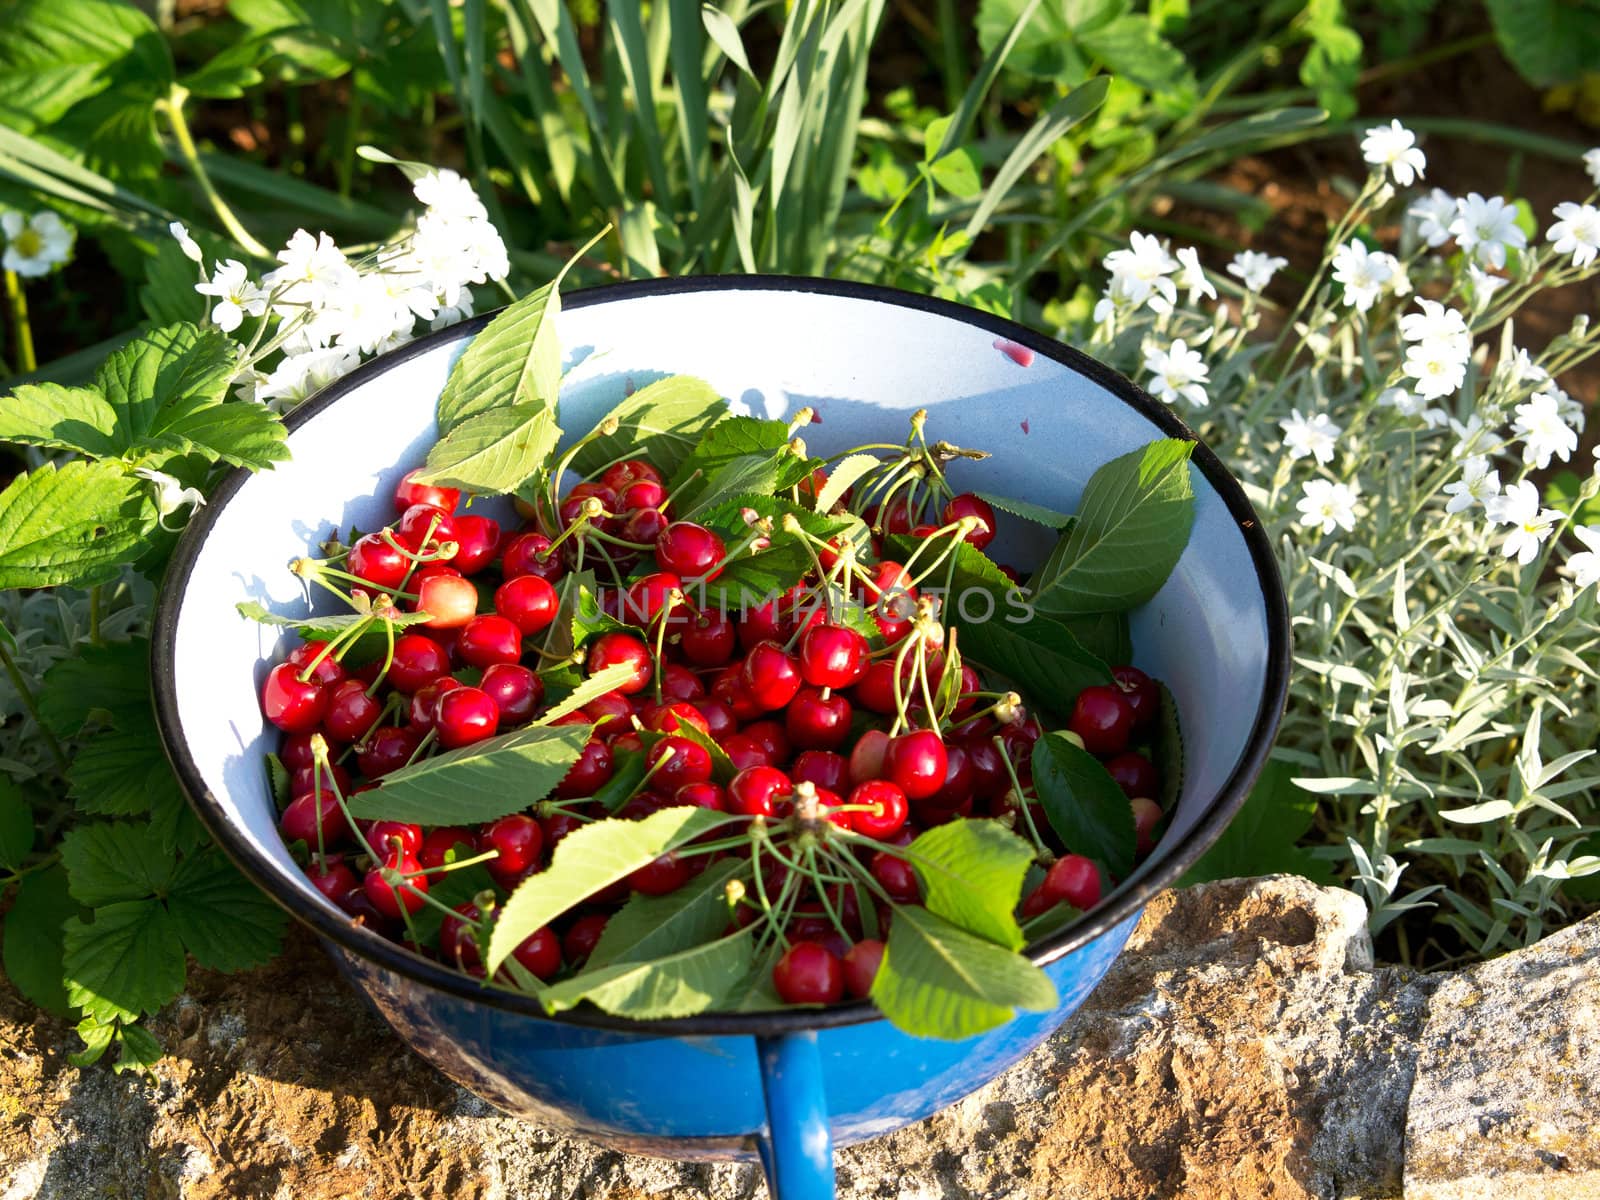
[1438, 367]
[236, 295]
[1177, 371]
[37, 244]
[1466, 435]
[1584, 566]
[1395, 147]
[1576, 232]
[1591, 164]
[1140, 273]
[170, 494]
[1254, 269]
[1518, 368]
[451, 313]
[1192, 276]
[190, 247]
[1544, 431]
[449, 196]
[1571, 411]
[1433, 215]
[1483, 286]
[1328, 505]
[1399, 277]
[1362, 273]
[1478, 484]
[1486, 227]
[314, 271]
[369, 313]
[300, 376]
[1315, 435]
[1403, 401]
[1519, 506]
[1435, 321]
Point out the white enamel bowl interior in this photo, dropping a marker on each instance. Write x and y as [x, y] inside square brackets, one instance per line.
[863, 364]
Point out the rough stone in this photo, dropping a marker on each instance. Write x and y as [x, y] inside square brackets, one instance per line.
[1508, 1086]
[1244, 1046]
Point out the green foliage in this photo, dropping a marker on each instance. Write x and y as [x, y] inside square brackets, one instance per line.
[1085, 806]
[1548, 41]
[1264, 837]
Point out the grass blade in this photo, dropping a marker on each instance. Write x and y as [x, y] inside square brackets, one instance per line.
[635, 61]
[1060, 117]
[689, 90]
[961, 120]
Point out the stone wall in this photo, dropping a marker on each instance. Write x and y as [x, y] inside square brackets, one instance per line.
[1244, 1046]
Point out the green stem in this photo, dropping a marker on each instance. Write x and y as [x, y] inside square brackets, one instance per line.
[25, 695]
[172, 106]
[352, 136]
[19, 323]
[94, 615]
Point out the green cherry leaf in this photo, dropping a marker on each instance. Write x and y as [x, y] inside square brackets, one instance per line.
[1086, 807]
[662, 422]
[972, 874]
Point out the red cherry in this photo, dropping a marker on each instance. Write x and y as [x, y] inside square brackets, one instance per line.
[458, 940]
[968, 505]
[611, 713]
[680, 683]
[896, 877]
[760, 624]
[649, 596]
[989, 778]
[641, 495]
[917, 762]
[832, 656]
[424, 708]
[875, 690]
[293, 705]
[771, 737]
[888, 812]
[770, 675]
[418, 660]
[817, 723]
[578, 943]
[866, 759]
[822, 768]
[489, 639]
[295, 753]
[539, 953]
[424, 527]
[465, 715]
[690, 550]
[688, 762]
[708, 639]
[745, 751]
[328, 670]
[376, 561]
[861, 965]
[1075, 879]
[1147, 815]
[350, 711]
[517, 840]
[528, 602]
[449, 600]
[661, 876]
[701, 795]
[305, 779]
[610, 649]
[759, 791]
[515, 690]
[1103, 718]
[387, 748]
[331, 876]
[309, 809]
[809, 973]
[644, 525]
[589, 774]
[382, 835]
[441, 842]
[1135, 774]
[388, 899]
[630, 470]
[409, 493]
[556, 826]
[672, 718]
[729, 688]
[477, 539]
[956, 794]
[529, 554]
[1142, 693]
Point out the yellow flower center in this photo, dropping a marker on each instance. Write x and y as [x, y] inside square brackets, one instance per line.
[28, 243]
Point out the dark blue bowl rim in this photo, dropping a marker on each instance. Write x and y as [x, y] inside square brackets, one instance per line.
[1170, 859]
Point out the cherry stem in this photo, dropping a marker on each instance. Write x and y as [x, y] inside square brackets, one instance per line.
[427, 740]
[319, 757]
[460, 863]
[822, 896]
[388, 660]
[337, 643]
[1045, 853]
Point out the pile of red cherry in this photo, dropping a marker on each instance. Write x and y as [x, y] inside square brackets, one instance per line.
[802, 706]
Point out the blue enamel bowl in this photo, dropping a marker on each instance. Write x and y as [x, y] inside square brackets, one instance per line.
[784, 1087]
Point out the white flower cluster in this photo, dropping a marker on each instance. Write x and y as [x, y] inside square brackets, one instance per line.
[330, 311]
[1366, 274]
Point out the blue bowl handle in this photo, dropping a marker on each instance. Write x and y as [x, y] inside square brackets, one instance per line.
[797, 1148]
